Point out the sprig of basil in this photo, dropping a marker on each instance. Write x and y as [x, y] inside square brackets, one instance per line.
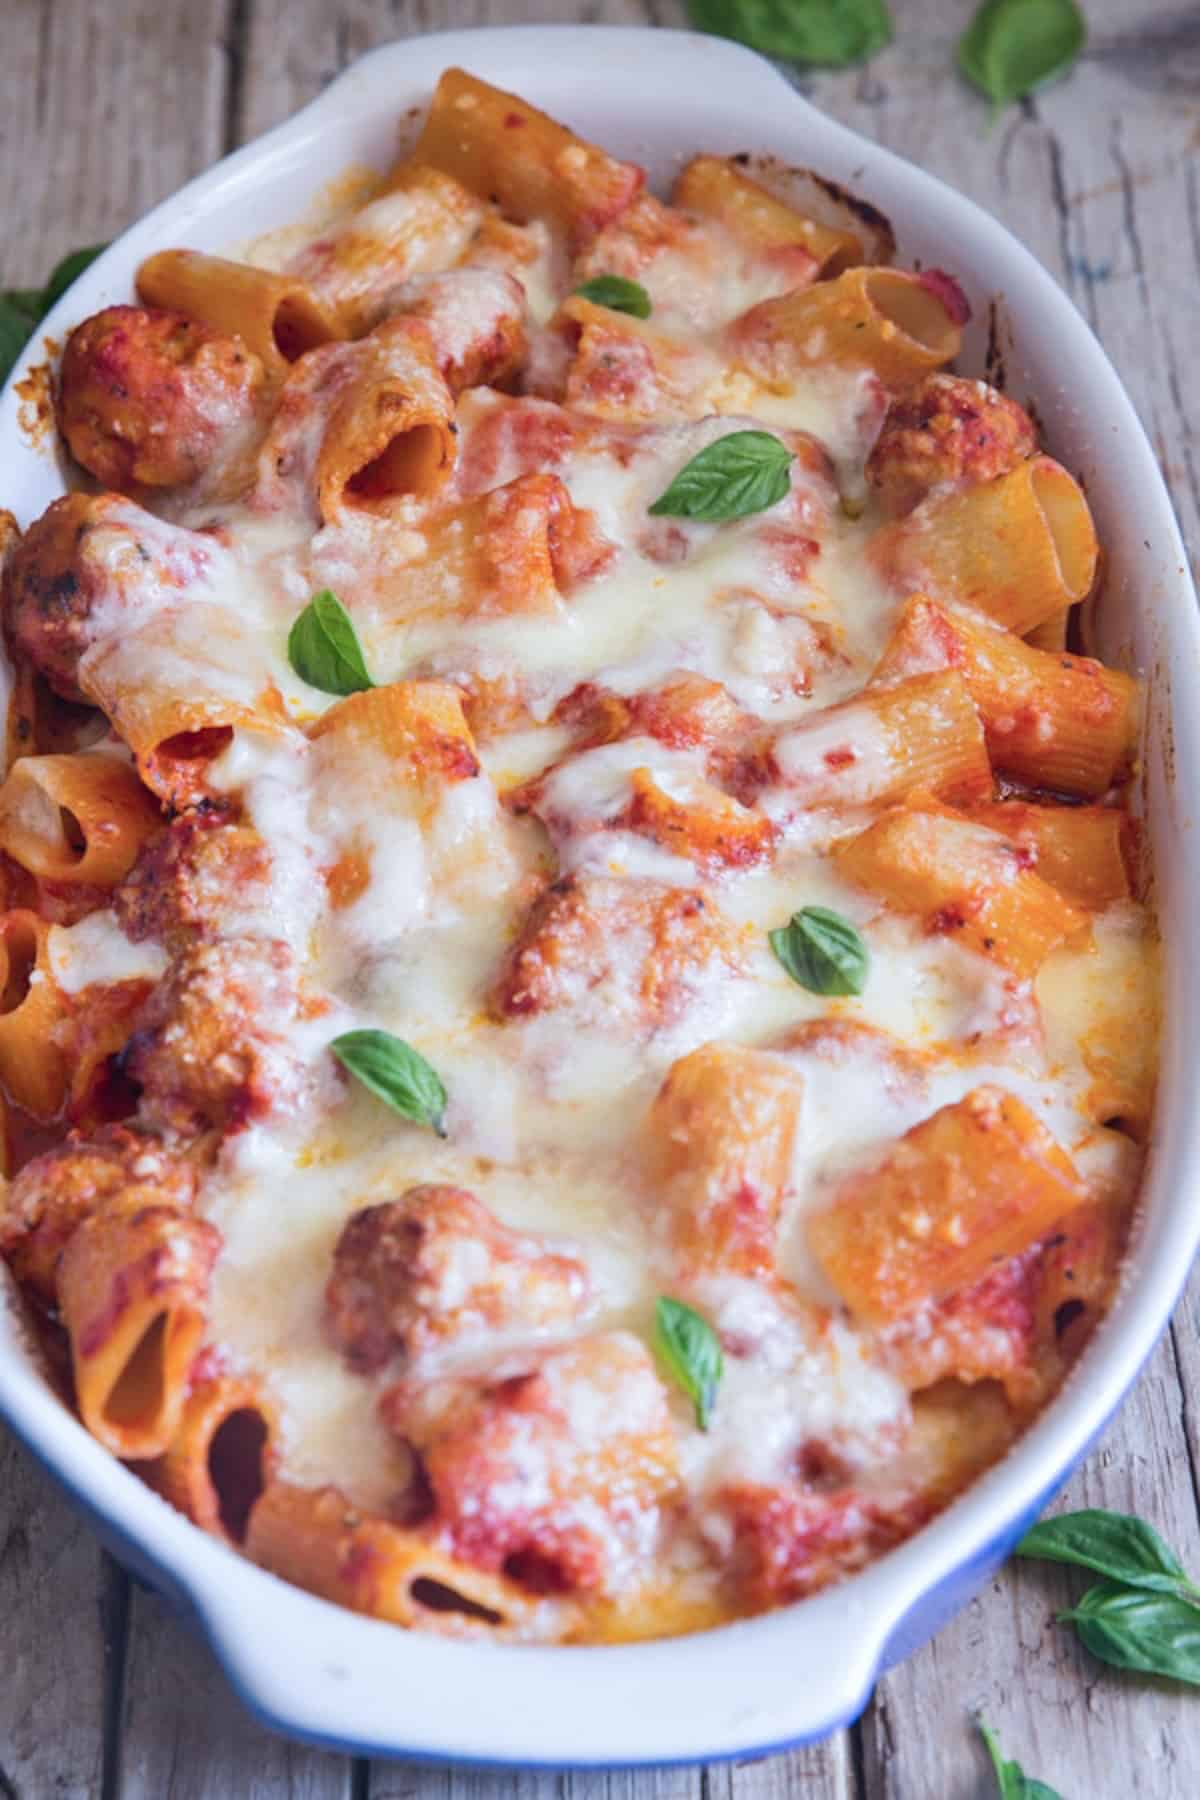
[324, 650]
[1012, 47]
[395, 1072]
[1145, 1614]
[822, 952]
[618, 294]
[1119, 1546]
[742, 473]
[1011, 1779]
[829, 32]
[23, 309]
[1150, 1633]
[691, 1350]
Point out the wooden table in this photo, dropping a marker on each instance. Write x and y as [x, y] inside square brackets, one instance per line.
[108, 105]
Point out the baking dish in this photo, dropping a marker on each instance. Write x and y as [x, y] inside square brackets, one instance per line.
[339, 1678]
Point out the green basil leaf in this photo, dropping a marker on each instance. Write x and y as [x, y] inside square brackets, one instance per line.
[1012, 47]
[822, 952]
[617, 294]
[324, 650]
[743, 472]
[26, 300]
[1118, 1545]
[1154, 1634]
[67, 271]
[829, 32]
[690, 1348]
[1012, 1780]
[16, 328]
[21, 309]
[395, 1072]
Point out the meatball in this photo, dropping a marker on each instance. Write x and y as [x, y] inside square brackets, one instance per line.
[203, 877]
[436, 1267]
[211, 1052]
[51, 585]
[55, 1192]
[149, 398]
[89, 559]
[947, 432]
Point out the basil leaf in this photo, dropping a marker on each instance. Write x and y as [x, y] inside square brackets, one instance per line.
[690, 1348]
[16, 328]
[395, 1072]
[1013, 46]
[829, 32]
[21, 309]
[822, 952]
[67, 271]
[28, 300]
[743, 472]
[324, 650]
[617, 294]
[1154, 1634]
[1118, 1545]
[1012, 1780]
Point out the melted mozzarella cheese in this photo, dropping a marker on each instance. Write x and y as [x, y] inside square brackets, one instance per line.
[96, 950]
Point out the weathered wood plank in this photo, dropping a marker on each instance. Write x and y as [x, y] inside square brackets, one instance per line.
[185, 1737]
[295, 47]
[398, 1781]
[820, 1772]
[104, 110]
[825, 1771]
[61, 1604]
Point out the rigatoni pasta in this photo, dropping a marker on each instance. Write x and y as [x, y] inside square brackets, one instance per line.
[276, 316]
[81, 818]
[574, 923]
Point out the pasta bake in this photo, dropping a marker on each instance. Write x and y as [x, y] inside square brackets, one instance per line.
[579, 1005]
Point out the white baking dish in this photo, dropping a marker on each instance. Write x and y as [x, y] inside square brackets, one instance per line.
[329, 1675]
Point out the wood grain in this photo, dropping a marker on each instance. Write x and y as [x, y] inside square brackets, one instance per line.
[104, 110]
[183, 1736]
[57, 1675]
[107, 106]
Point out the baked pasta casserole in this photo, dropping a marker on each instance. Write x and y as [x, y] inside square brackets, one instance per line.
[578, 1014]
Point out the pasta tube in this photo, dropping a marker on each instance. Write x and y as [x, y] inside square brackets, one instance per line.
[221, 1457]
[1020, 548]
[422, 222]
[720, 1138]
[1080, 850]
[1054, 721]
[34, 1013]
[886, 742]
[132, 1292]
[506, 150]
[317, 1539]
[898, 324]
[77, 818]
[978, 1182]
[966, 882]
[716, 188]
[279, 317]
